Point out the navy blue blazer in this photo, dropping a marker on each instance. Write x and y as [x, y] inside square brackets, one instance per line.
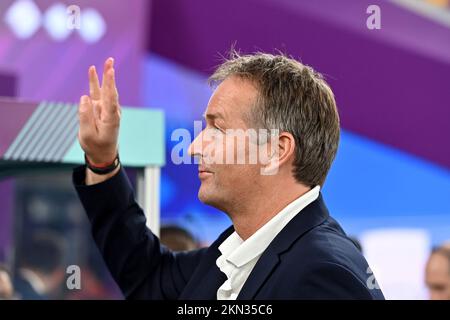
[311, 258]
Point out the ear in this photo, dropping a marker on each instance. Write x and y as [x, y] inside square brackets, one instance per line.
[286, 148]
[281, 153]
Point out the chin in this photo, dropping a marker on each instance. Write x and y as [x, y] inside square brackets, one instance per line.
[204, 196]
[210, 198]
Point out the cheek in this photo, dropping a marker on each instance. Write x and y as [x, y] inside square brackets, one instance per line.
[237, 176]
[214, 151]
[236, 150]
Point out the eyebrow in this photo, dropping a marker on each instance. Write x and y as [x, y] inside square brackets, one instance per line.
[213, 116]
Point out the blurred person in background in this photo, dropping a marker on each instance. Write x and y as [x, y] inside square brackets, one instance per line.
[40, 267]
[95, 283]
[6, 288]
[437, 273]
[177, 238]
[446, 245]
[92, 288]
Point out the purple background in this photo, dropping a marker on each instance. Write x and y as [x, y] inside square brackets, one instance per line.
[50, 70]
[391, 85]
[40, 68]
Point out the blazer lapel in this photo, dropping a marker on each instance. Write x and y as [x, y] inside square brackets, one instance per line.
[207, 278]
[204, 283]
[263, 268]
[311, 216]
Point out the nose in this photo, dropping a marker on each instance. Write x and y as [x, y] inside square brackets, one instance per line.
[196, 147]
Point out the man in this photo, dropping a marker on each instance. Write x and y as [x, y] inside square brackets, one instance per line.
[40, 267]
[176, 238]
[437, 273]
[283, 244]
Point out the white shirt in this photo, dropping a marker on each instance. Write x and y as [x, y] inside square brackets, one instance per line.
[239, 257]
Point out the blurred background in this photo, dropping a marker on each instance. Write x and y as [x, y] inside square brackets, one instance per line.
[390, 183]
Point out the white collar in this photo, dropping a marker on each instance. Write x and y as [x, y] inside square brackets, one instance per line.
[239, 252]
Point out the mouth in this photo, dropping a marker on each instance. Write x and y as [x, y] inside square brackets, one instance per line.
[204, 172]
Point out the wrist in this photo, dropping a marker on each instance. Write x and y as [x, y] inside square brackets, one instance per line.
[102, 168]
[103, 160]
[93, 178]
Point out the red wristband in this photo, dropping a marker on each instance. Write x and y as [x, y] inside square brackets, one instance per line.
[103, 168]
[100, 165]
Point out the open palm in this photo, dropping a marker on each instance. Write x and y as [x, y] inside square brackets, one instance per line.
[99, 115]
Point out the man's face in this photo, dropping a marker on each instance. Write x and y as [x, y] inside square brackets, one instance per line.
[438, 277]
[227, 175]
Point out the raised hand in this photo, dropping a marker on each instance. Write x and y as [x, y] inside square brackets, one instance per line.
[99, 115]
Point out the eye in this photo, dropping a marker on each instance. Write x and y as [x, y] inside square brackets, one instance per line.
[219, 130]
[215, 129]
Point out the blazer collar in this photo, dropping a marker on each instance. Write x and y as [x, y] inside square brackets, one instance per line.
[207, 278]
[310, 217]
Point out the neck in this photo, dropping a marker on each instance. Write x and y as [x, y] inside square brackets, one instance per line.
[256, 211]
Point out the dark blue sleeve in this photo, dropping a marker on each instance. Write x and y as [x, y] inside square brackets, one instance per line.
[328, 280]
[142, 267]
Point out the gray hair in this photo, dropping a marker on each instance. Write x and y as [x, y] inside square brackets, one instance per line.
[292, 98]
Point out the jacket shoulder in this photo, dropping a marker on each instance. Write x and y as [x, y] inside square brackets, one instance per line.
[329, 265]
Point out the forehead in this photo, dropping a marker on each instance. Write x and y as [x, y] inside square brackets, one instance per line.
[232, 99]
